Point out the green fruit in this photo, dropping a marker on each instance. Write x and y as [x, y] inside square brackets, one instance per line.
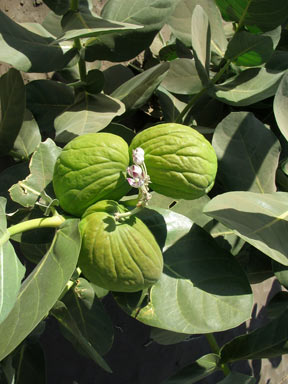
[181, 163]
[120, 256]
[91, 167]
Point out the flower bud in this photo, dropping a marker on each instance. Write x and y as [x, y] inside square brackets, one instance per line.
[138, 156]
[136, 182]
[135, 171]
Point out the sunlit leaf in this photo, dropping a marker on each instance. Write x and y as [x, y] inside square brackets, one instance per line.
[280, 106]
[28, 51]
[261, 219]
[136, 91]
[28, 138]
[263, 15]
[196, 371]
[180, 22]
[119, 47]
[41, 289]
[11, 269]
[27, 191]
[248, 154]
[90, 114]
[182, 77]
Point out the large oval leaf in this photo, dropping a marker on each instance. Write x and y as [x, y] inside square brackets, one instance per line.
[135, 92]
[190, 297]
[42, 287]
[268, 341]
[27, 192]
[28, 51]
[263, 15]
[12, 98]
[280, 106]
[89, 115]
[180, 23]
[126, 45]
[259, 219]
[248, 154]
[11, 269]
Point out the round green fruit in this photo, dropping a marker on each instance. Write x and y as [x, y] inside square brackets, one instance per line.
[121, 256]
[90, 168]
[181, 163]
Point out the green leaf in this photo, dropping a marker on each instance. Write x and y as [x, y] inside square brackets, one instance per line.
[46, 99]
[196, 371]
[135, 92]
[180, 23]
[12, 99]
[58, 6]
[249, 87]
[194, 286]
[28, 51]
[80, 24]
[259, 219]
[28, 138]
[251, 50]
[268, 341]
[62, 314]
[11, 269]
[263, 15]
[164, 337]
[248, 154]
[118, 129]
[90, 113]
[94, 81]
[281, 272]
[201, 39]
[182, 78]
[238, 378]
[277, 305]
[42, 287]
[280, 106]
[126, 45]
[115, 76]
[170, 105]
[27, 191]
[90, 316]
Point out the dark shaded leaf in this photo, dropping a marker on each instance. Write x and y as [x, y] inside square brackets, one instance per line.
[12, 99]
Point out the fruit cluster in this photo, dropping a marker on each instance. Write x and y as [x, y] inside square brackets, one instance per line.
[93, 173]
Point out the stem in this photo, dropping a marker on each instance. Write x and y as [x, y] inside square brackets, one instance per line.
[119, 216]
[74, 5]
[52, 222]
[215, 349]
[196, 97]
[81, 62]
[189, 105]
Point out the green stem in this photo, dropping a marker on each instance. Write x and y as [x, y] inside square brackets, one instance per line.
[74, 5]
[196, 97]
[215, 349]
[191, 103]
[81, 62]
[52, 222]
[119, 216]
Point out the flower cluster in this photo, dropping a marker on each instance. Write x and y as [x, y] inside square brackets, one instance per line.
[139, 177]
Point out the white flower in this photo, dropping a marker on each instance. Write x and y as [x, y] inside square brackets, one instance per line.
[136, 182]
[138, 156]
[135, 171]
